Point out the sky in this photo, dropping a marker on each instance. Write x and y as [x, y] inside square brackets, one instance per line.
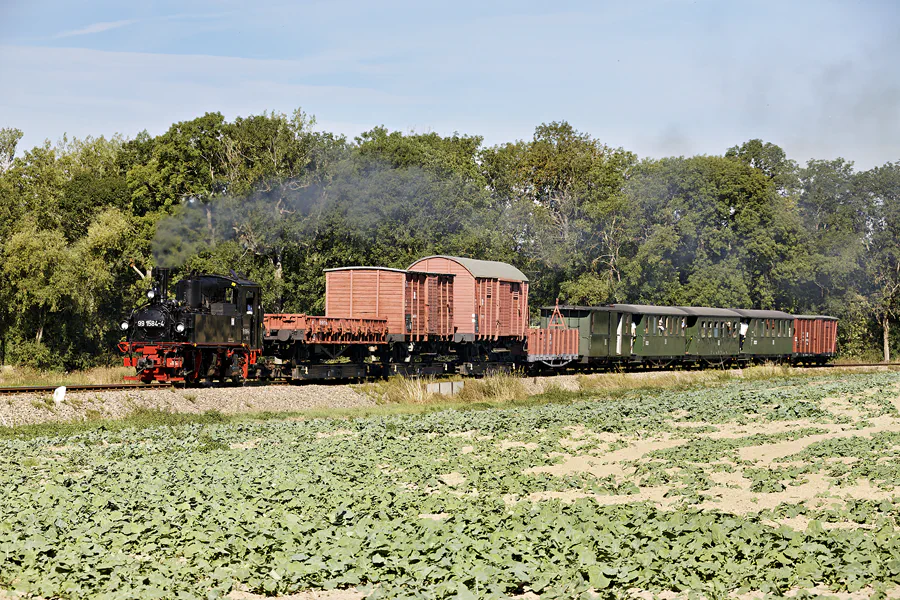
[820, 78]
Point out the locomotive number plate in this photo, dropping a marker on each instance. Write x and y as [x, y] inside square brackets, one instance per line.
[150, 323]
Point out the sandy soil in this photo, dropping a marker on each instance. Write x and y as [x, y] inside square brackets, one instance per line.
[731, 491]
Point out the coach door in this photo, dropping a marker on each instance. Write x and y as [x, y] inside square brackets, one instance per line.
[599, 334]
[623, 334]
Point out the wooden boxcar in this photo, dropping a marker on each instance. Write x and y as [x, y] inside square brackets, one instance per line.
[711, 334]
[418, 306]
[765, 334]
[815, 338]
[490, 297]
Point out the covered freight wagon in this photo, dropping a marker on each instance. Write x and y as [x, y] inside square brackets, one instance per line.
[418, 306]
[815, 338]
[490, 297]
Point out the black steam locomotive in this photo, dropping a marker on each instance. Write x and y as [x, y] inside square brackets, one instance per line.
[211, 329]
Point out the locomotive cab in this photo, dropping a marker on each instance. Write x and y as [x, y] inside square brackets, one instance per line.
[220, 309]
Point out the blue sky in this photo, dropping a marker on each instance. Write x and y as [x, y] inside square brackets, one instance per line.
[659, 77]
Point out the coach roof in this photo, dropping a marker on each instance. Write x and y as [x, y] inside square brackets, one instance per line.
[487, 269]
[647, 309]
[762, 314]
[707, 311]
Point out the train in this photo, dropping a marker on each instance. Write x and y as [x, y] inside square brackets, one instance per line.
[442, 315]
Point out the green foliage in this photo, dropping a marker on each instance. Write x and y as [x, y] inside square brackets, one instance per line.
[270, 197]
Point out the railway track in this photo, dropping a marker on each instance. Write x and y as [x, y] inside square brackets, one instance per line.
[103, 387]
[49, 389]
[109, 387]
[878, 364]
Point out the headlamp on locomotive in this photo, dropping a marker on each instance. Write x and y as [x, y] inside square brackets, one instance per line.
[211, 329]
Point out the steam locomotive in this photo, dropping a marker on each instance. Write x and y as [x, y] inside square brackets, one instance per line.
[211, 329]
[444, 314]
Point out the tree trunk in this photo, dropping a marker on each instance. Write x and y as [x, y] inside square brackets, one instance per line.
[209, 226]
[886, 324]
[40, 334]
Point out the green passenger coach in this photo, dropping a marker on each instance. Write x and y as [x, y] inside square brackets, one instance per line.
[766, 334]
[712, 334]
[658, 333]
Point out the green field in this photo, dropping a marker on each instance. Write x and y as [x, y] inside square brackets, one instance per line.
[762, 486]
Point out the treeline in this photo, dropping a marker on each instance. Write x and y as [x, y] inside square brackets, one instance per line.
[82, 221]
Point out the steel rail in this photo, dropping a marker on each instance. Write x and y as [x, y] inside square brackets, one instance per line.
[98, 387]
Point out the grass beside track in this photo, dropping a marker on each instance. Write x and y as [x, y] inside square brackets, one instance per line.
[24, 376]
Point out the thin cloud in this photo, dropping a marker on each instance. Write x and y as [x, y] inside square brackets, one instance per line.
[96, 28]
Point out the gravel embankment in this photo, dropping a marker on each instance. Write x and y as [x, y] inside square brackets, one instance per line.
[36, 408]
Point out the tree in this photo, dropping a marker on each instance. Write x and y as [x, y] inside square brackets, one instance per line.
[771, 160]
[188, 161]
[88, 193]
[268, 150]
[833, 209]
[36, 260]
[882, 184]
[454, 155]
[707, 221]
[562, 193]
[9, 139]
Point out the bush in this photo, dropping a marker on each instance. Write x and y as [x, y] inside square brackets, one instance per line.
[35, 355]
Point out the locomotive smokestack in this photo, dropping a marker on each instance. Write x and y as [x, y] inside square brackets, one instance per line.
[161, 282]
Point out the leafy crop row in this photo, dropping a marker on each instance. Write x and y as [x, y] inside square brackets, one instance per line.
[192, 511]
